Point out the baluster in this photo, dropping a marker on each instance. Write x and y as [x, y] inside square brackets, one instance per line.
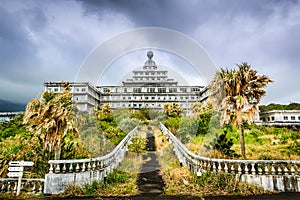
[214, 167]
[83, 167]
[219, 166]
[64, 169]
[89, 166]
[57, 169]
[94, 165]
[259, 169]
[279, 169]
[293, 169]
[286, 170]
[239, 168]
[232, 170]
[246, 169]
[266, 169]
[77, 167]
[71, 168]
[226, 167]
[51, 169]
[253, 172]
[273, 171]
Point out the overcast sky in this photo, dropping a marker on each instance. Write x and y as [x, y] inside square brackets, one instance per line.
[49, 40]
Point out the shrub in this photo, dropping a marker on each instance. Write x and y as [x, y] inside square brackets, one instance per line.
[222, 144]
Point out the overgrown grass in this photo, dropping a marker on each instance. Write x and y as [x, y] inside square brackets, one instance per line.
[281, 143]
[180, 181]
[117, 183]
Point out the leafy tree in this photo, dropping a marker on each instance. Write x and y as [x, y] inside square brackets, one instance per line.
[236, 91]
[106, 109]
[196, 108]
[51, 115]
[172, 109]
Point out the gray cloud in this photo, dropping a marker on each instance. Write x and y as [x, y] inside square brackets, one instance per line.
[48, 40]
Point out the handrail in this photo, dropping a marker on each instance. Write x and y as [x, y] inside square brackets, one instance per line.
[199, 164]
[81, 165]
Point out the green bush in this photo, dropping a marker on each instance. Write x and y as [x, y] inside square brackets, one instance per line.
[173, 124]
[138, 145]
[222, 144]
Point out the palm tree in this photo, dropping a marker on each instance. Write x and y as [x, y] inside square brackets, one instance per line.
[52, 116]
[237, 91]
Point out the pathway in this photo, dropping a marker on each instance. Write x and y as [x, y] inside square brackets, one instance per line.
[149, 180]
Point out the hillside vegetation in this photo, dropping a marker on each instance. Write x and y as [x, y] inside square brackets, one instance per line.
[274, 106]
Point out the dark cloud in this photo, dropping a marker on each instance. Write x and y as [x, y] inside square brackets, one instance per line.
[48, 40]
[186, 15]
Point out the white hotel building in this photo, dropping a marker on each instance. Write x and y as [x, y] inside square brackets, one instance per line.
[149, 87]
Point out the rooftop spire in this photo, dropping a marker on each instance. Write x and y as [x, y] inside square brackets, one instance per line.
[150, 64]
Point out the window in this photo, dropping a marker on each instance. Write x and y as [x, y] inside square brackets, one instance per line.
[150, 90]
[298, 117]
[195, 89]
[152, 98]
[173, 90]
[82, 89]
[137, 90]
[182, 89]
[161, 90]
[273, 118]
[125, 89]
[293, 118]
[285, 118]
[55, 89]
[124, 98]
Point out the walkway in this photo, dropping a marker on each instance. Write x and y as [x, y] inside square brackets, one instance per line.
[149, 180]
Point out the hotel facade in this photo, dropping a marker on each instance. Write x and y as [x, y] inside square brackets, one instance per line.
[149, 86]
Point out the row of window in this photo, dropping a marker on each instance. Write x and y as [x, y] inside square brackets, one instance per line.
[285, 118]
[154, 90]
[149, 73]
[143, 105]
[150, 98]
[147, 79]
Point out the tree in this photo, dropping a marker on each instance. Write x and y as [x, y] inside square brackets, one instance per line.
[237, 91]
[172, 109]
[51, 115]
[196, 108]
[106, 109]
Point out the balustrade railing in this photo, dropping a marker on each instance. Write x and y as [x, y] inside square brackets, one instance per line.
[29, 186]
[108, 161]
[199, 164]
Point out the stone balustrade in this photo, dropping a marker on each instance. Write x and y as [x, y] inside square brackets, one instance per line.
[29, 186]
[282, 175]
[81, 171]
